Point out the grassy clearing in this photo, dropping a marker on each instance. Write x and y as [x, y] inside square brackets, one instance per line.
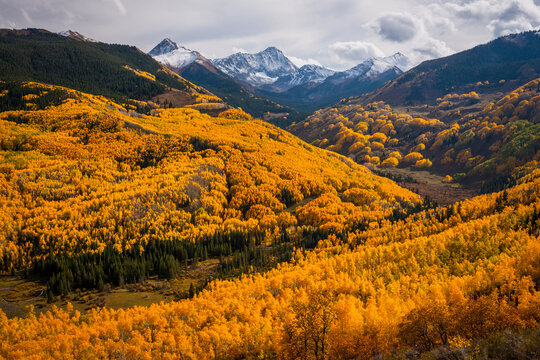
[432, 185]
[17, 294]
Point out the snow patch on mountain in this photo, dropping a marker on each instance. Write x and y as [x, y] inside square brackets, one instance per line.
[399, 60]
[75, 35]
[260, 78]
[371, 67]
[310, 73]
[256, 69]
[178, 58]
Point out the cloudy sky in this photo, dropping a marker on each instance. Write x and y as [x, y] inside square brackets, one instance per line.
[336, 33]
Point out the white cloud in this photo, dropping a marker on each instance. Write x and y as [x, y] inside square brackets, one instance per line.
[516, 17]
[436, 23]
[429, 48]
[501, 28]
[301, 62]
[353, 52]
[499, 17]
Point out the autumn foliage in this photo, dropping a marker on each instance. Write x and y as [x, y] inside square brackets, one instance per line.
[494, 142]
[82, 175]
[390, 276]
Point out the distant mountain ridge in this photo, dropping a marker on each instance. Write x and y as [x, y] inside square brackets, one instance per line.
[271, 74]
[309, 73]
[371, 67]
[363, 78]
[398, 60]
[271, 71]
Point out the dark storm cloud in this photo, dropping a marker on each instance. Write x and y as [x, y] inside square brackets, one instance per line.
[396, 27]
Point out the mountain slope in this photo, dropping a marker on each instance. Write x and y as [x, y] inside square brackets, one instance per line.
[246, 174]
[382, 280]
[498, 66]
[487, 148]
[119, 71]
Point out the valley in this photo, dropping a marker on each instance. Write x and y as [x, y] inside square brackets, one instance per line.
[165, 205]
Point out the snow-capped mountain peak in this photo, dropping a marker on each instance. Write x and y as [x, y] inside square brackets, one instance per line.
[165, 46]
[399, 60]
[313, 68]
[309, 73]
[370, 68]
[261, 68]
[177, 57]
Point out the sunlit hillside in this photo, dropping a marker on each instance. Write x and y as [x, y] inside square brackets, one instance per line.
[489, 147]
[458, 280]
[81, 176]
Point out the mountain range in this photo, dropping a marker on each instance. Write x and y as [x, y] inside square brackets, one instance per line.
[271, 74]
[258, 69]
[364, 77]
[198, 69]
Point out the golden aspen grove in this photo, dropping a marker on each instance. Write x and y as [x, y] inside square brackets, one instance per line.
[143, 216]
[502, 137]
[387, 274]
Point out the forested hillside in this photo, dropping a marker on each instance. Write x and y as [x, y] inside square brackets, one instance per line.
[497, 66]
[118, 71]
[455, 281]
[81, 177]
[491, 147]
